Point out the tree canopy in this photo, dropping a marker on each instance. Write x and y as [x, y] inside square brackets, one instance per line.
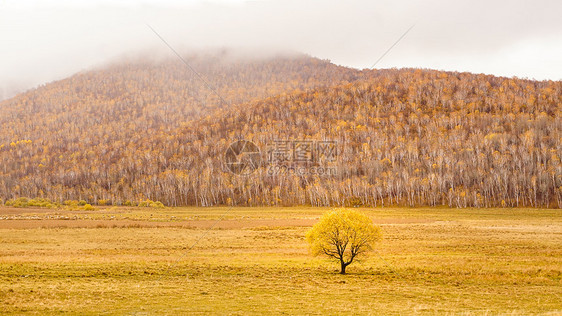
[344, 235]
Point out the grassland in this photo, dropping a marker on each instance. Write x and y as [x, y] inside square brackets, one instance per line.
[255, 261]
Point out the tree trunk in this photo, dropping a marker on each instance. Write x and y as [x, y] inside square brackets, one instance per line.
[343, 266]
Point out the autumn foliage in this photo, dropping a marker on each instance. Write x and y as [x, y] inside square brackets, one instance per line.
[343, 235]
[152, 130]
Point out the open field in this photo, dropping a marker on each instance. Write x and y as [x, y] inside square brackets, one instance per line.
[256, 260]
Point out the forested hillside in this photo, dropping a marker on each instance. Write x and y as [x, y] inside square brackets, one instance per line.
[155, 130]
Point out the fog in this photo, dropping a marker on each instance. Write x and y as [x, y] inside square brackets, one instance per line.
[42, 42]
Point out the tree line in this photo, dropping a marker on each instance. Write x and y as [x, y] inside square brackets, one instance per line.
[409, 137]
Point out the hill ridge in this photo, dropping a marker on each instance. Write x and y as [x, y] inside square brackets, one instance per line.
[405, 137]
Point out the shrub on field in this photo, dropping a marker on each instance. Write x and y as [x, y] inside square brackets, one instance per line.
[40, 202]
[71, 203]
[104, 202]
[149, 203]
[82, 202]
[37, 202]
[88, 207]
[21, 202]
[156, 204]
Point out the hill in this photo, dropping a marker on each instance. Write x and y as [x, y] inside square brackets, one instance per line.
[153, 129]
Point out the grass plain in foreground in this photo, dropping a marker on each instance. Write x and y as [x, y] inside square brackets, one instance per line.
[256, 261]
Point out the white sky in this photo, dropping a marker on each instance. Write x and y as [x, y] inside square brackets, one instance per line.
[42, 41]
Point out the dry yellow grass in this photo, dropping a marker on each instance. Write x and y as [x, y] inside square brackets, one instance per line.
[256, 261]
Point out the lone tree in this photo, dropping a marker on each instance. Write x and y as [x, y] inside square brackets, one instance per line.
[343, 234]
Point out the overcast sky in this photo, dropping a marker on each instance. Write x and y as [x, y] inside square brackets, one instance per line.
[42, 41]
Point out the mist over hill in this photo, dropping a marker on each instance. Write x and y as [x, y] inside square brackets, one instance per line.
[154, 129]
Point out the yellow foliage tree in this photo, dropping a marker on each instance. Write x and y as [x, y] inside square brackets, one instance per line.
[343, 234]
